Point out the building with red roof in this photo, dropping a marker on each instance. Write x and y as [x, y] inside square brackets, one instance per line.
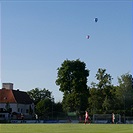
[15, 102]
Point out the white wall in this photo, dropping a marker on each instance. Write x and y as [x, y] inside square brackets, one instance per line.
[19, 108]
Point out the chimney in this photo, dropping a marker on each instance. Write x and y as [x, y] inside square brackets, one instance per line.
[8, 86]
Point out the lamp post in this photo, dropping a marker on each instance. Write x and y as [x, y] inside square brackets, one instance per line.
[52, 106]
[124, 108]
[131, 109]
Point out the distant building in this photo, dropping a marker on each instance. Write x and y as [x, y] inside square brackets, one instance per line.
[14, 103]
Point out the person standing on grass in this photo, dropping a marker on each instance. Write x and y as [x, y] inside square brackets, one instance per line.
[36, 116]
[113, 118]
[87, 117]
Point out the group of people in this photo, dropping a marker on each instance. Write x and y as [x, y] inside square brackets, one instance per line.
[88, 120]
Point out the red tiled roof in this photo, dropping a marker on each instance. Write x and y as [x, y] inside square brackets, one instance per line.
[14, 96]
[6, 96]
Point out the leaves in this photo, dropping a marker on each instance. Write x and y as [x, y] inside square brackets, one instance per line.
[72, 80]
[37, 94]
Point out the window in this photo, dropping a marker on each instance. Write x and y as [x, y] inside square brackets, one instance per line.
[2, 116]
[10, 109]
[1, 109]
[27, 111]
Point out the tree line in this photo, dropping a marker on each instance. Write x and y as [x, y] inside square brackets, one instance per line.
[99, 98]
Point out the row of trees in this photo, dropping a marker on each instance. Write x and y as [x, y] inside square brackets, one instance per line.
[107, 98]
[101, 97]
[45, 106]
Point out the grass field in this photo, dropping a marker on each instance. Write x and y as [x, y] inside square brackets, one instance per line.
[66, 128]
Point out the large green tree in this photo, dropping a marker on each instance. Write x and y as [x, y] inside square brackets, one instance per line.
[44, 108]
[38, 94]
[125, 93]
[102, 94]
[106, 98]
[72, 80]
[43, 101]
[103, 78]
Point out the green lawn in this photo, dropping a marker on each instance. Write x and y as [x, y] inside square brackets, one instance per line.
[66, 128]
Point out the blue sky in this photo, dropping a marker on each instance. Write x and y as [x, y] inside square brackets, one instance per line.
[36, 37]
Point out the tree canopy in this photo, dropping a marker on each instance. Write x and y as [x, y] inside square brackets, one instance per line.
[107, 98]
[101, 97]
[72, 80]
[39, 94]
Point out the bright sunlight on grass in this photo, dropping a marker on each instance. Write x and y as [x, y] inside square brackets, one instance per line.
[66, 128]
